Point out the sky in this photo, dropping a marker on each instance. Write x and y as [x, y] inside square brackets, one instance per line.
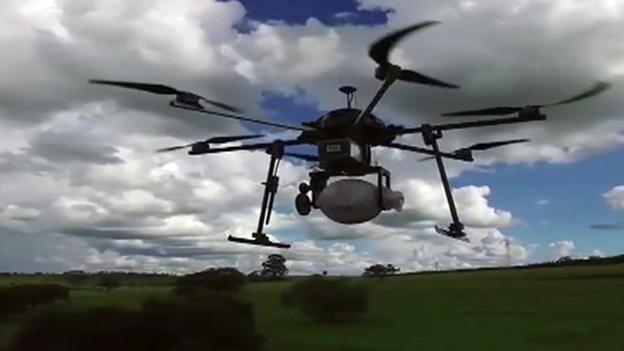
[82, 188]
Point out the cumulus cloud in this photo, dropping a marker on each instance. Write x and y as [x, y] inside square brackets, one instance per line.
[562, 248]
[615, 197]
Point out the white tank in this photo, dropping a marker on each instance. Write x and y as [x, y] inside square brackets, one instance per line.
[352, 201]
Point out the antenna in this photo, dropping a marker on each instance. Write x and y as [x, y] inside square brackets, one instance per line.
[349, 91]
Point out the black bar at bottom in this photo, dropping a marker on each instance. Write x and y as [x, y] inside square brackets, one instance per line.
[262, 241]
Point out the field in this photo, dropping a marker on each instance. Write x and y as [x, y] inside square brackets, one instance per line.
[566, 308]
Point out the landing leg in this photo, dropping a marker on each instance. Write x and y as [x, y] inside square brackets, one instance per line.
[455, 229]
[276, 150]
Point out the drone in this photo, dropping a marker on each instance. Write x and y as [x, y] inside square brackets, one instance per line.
[345, 137]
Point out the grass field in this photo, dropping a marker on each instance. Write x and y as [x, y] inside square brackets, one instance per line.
[570, 308]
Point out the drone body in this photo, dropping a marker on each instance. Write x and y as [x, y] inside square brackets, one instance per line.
[345, 138]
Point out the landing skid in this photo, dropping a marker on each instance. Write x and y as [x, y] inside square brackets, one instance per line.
[261, 240]
[459, 235]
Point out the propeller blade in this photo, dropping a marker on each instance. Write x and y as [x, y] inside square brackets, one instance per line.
[227, 139]
[309, 158]
[152, 88]
[492, 111]
[481, 147]
[415, 77]
[598, 88]
[164, 90]
[380, 50]
[173, 148]
[493, 144]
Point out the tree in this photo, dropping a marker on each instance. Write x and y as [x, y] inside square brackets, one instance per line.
[109, 282]
[274, 266]
[380, 270]
[225, 279]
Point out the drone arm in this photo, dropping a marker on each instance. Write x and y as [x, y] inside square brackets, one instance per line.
[392, 74]
[257, 146]
[177, 104]
[462, 125]
[426, 151]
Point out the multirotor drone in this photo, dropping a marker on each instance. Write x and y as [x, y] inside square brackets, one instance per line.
[345, 137]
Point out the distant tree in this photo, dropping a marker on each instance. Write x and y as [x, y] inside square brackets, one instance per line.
[274, 266]
[380, 270]
[109, 282]
[225, 279]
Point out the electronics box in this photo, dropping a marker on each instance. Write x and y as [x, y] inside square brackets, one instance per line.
[339, 154]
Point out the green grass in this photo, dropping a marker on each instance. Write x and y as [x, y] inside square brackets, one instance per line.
[572, 308]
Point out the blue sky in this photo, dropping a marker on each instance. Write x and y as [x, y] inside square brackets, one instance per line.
[330, 12]
[574, 194]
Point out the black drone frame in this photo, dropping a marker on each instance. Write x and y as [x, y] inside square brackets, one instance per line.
[387, 72]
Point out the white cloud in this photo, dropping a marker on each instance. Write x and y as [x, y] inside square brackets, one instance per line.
[615, 197]
[542, 202]
[562, 248]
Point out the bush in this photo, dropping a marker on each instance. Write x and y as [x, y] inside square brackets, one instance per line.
[19, 298]
[328, 300]
[213, 279]
[11, 302]
[109, 282]
[209, 322]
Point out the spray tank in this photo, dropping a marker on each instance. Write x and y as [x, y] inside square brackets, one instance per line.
[352, 201]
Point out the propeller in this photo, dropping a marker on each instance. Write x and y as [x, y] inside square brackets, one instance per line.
[182, 96]
[213, 140]
[305, 157]
[482, 146]
[379, 51]
[598, 88]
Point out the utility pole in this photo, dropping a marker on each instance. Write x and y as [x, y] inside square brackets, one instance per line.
[508, 251]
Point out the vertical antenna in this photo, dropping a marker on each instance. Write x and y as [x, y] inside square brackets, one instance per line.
[349, 91]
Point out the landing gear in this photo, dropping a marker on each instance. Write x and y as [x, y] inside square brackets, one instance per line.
[276, 150]
[455, 229]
